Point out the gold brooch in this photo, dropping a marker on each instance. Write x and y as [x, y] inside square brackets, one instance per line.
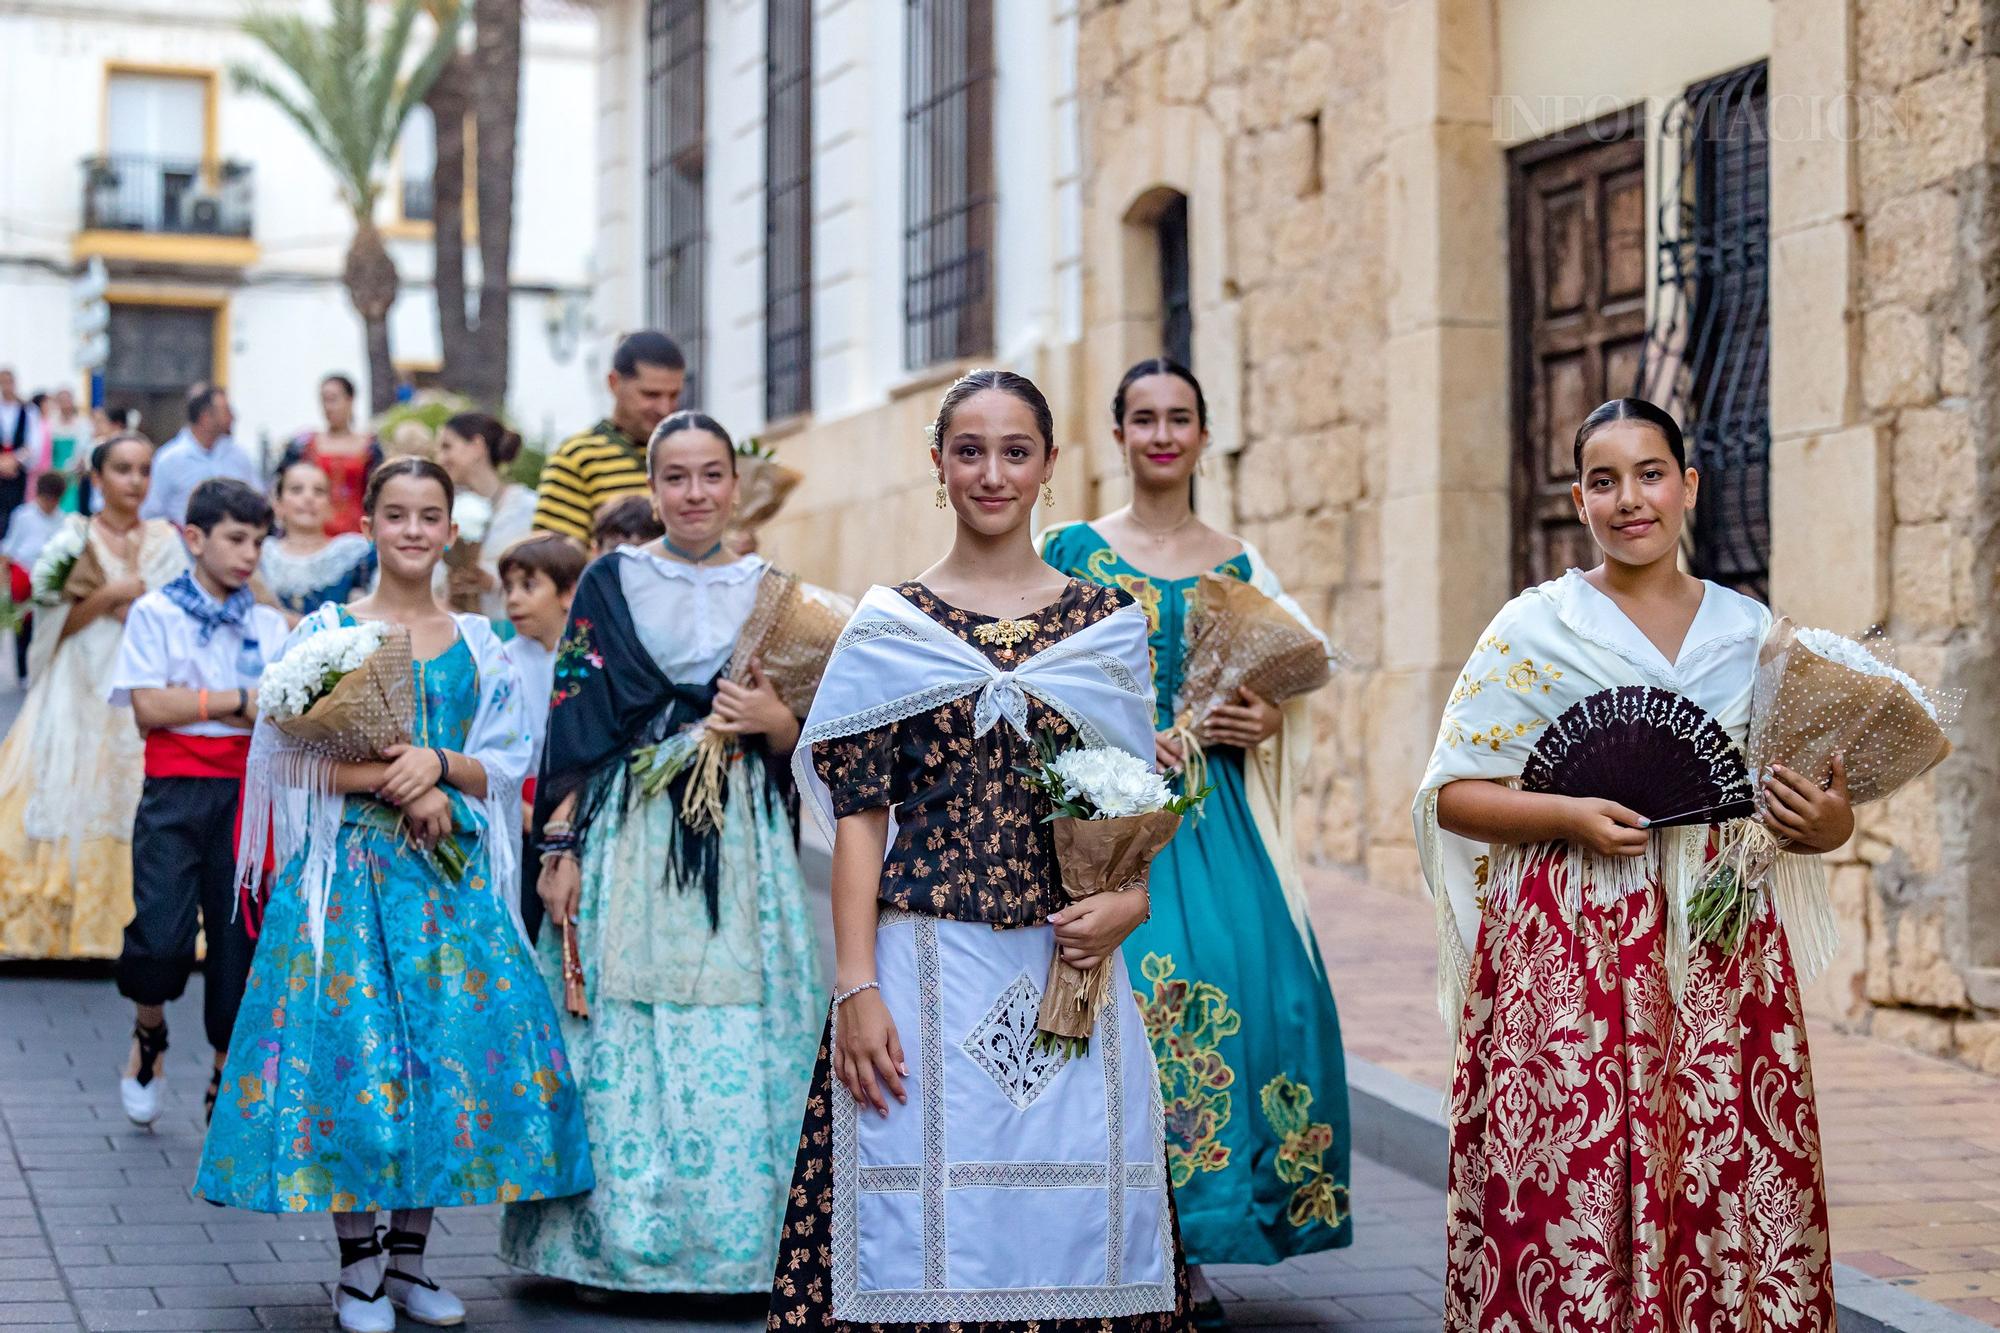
[1006, 633]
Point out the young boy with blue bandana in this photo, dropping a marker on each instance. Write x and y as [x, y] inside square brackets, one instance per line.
[189, 664]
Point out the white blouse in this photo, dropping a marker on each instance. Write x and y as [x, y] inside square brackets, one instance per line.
[688, 616]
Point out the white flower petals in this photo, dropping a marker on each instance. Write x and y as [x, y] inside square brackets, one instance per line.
[1115, 782]
[295, 682]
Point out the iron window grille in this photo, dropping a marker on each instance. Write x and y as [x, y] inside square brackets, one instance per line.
[1708, 352]
[787, 208]
[948, 180]
[676, 188]
[1176, 299]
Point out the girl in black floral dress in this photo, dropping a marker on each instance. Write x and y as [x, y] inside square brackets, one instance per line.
[951, 1174]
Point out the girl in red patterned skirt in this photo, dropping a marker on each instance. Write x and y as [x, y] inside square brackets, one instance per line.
[1634, 1144]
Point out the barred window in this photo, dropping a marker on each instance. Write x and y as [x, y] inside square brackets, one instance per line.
[787, 208]
[948, 180]
[1176, 300]
[676, 140]
[1708, 353]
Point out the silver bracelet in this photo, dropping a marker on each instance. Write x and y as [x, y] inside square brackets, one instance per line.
[842, 997]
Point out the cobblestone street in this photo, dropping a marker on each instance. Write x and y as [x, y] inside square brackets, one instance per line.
[97, 1230]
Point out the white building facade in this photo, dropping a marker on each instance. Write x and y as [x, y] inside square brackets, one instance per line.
[836, 206]
[121, 138]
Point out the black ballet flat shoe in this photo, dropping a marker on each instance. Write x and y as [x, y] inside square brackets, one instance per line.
[208, 1099]
[1208, 1314]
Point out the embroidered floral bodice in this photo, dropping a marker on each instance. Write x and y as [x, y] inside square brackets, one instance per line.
[969, 842]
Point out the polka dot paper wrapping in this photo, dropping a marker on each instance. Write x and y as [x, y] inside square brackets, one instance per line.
[1818, 694]
[368, 710]
[1240, 639]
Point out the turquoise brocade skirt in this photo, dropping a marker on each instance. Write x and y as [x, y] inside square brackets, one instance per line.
[420, 1067]
[1243, 1026]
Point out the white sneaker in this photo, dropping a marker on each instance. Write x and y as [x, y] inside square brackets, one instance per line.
[424, 1301]
[142, 1100]
[355, 1315]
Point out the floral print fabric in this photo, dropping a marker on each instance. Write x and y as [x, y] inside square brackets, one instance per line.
[691, 1106]
[420, 1064]
[1620, 1161]
[970, 844]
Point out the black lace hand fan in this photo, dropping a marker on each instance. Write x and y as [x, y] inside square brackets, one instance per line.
[1655, 752]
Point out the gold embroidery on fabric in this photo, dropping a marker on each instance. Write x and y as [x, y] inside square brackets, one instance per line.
[1185, 1022]
[1304, 1145]
[1005, 633]
[1454, 733]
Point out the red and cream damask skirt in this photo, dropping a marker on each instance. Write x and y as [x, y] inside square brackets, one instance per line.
[1620, 1160]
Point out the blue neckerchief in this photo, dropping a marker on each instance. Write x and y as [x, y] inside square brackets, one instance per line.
[212, 615]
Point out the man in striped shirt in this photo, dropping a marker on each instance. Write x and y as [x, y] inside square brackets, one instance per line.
[608, 461]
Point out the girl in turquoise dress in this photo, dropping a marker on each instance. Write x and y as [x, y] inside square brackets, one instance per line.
[696, 946]
[1235, 996]
[396, 1048]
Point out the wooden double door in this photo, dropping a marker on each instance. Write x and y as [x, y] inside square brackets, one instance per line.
[1577, 216]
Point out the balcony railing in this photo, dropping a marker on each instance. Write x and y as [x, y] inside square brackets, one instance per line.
[166, 196]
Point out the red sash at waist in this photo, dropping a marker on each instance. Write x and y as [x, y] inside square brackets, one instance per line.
[175, 754]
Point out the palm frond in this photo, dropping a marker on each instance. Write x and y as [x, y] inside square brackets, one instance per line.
[352, 95]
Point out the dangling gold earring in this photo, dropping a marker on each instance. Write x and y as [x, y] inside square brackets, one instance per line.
[943, 500]
[1048, 495]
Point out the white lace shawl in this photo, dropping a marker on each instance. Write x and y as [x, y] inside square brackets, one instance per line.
[893, 662]
[289, 791]
[288, 575]
[1547, 649]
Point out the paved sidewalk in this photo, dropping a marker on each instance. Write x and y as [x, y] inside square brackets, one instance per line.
[97, 1230]
[1912, 1144]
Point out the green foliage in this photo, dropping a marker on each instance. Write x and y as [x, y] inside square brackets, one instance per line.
[348, 90]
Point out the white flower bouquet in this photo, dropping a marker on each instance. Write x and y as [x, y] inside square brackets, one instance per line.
[1112, 814]
[66, 568]
[473, 515]
[347, 694]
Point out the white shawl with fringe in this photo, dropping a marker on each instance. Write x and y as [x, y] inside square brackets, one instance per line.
[893, 662]
[289, 791]
[1547, 649]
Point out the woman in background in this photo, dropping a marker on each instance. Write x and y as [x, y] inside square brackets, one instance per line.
[1229, 976]
[493, 512]
[72, 764]
[345, 455]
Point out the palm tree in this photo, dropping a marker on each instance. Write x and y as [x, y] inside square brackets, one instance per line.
[349, 95]
[475, 334]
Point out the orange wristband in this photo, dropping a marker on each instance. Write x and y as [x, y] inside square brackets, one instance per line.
[201, 704]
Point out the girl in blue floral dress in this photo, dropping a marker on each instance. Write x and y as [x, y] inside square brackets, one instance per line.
[397, 1050]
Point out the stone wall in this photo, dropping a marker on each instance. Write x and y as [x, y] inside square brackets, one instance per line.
[1348, 202]
[1269, 116]
[1916, 890]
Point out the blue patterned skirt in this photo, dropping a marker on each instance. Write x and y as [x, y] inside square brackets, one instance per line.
[420, 1066]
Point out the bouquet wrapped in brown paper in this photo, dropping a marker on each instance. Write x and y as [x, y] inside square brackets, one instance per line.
[86, 576]
[763, 484]
[67, 568]
[1818, 694]
[473, 514]
[1238, 638]
[347, 694]
[790, 634]
[1112, 815]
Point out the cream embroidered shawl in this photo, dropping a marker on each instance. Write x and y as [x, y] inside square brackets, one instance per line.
[1547, 649]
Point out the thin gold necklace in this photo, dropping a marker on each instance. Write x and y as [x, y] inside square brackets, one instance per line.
[1158, 534]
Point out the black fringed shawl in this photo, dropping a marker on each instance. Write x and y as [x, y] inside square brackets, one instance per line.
[609, 700]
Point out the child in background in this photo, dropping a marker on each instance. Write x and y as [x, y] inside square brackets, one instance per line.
[188, 667]
[631, 521]
[539, 575]
[28, 531]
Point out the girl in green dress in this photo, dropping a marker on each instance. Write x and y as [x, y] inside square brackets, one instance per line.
[1236, 1000]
